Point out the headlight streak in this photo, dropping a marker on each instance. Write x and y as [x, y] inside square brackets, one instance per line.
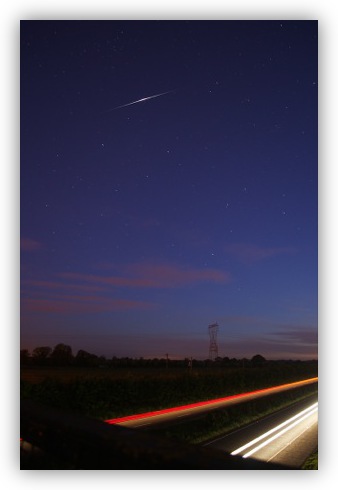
[271, 431]
[296, 419]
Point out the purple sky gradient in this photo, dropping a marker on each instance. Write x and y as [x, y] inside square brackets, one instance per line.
[141, 226]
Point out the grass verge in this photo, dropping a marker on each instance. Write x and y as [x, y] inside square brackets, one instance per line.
[312, 462]
[221, 422]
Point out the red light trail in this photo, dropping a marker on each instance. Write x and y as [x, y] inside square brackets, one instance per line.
[218, 402]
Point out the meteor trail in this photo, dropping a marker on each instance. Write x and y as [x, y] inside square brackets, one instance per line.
[141, 100]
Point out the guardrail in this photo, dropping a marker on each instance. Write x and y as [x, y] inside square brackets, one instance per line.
[62, 440]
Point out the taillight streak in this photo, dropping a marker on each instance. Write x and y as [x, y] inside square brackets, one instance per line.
[262, 392]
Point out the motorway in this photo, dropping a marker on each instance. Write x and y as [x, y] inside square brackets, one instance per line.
[185, 411]
[287, 436]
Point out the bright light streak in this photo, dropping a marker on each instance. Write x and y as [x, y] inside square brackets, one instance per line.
[279, 434]
[304, 415]
[141, 100]
[271, 431]
[215, 402]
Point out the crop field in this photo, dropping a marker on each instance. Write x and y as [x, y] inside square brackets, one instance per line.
[114, 392]
[38, 374]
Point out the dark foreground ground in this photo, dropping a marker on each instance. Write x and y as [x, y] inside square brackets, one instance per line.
[107, 393]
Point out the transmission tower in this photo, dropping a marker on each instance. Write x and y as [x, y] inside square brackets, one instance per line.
[213, 346]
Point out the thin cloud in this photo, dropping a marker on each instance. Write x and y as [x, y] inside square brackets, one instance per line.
[248, 253]
[88, 293]
[268, 348]
[297, 335]
[154, 275]
[250, 335]
[58, 297]
[172, 275]
[29, 245]
[57, 285]
[82, 304]
[280, 342]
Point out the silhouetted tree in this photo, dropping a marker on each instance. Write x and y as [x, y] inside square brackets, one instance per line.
[258, 360]
[24, 356]
[62, 355]
[84, 358]
[41, 354]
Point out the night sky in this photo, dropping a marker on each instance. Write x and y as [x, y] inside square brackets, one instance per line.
[142, 223]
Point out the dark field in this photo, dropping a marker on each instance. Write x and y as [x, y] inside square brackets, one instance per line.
[112, 392]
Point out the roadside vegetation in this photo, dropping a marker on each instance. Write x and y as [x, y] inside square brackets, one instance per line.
[109, 388]
[221, 422]
[312, 462]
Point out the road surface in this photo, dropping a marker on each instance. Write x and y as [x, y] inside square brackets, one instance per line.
[287, 436]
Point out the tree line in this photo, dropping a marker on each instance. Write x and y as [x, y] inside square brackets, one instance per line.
[62, 355]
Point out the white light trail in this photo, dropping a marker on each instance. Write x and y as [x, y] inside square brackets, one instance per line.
[296, 418]
[279, 434]
[141, 100]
